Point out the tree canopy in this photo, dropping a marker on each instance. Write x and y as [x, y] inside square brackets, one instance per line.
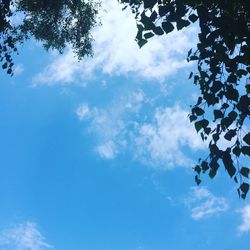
[222, 110]
[55, 24]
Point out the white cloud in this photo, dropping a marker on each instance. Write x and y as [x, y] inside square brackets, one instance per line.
[161, 142]
[83, 111]
[121, 126]
[204, 204]
[107, 150]
[24, 236]
[111, 124]
[62, 69]
[116, 52]
[18, 69]
[245, 215]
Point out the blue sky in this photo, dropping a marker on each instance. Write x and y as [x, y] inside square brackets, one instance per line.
[97, 154]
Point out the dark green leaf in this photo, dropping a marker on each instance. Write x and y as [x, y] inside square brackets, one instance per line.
[245, 172]
[212, 173]
[197, 169]
[218, 114]
[244, 187]
[190, 75]
[204, 166]
[181, 23]
[197, 180]
[228, 163]
[216, 137]
[236, 151]
[232, 93]
[142, 42]
[192, 118]
[245, 150]
[248, 88]
[198, 111]
[241, 72]
[197, 126]
[230, 134]
[158, 30]
[167, 27]
[246, 138]
[193, 18]
[232, 78]
[148, 35]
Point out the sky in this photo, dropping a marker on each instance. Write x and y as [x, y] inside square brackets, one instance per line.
[98, 154]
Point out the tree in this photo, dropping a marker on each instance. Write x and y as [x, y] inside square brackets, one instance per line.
[54, 23]
[223, 74]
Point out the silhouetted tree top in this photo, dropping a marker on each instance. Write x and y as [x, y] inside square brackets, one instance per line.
[222, 110]
[54, 23]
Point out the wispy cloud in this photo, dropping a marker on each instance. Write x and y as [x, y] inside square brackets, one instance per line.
[24, 236]
[116, 52]
[245, 216]
[83, 111]
[111, 125]
[123, 125]
[204, 204]
[161, 142]
[18, 69]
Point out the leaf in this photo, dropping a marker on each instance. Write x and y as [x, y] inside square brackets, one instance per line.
[232, 93]
[198, 111]
[204, 166]
[197, 169]
[241, 72]
[218, 114]
[245, 150]
[167, 27]
[248, 88]
[158, 30]
[197, 126]
[228, 163]
[235, 179]
[204, 123]
[190, 75]
[246, 138]
[236, 151]
[197, 180]
[193, 18]
[163, 10]
[232, 78]
[4, 66]
[201, 124]
[193, 58]
[142, 42]
[233, 115]
[230, 134]
[181, 23]
[192, 118]
[224, 106]
[245, 172]
[153, 16]
[189, 52]
[212, 173]
[213, 168]
[216, 137]
[148, 35]
[244, 187]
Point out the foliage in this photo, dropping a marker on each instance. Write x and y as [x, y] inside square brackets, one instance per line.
[54, 23]
[223, 74]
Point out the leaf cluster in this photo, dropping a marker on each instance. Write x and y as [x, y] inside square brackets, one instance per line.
[223, 74]
[56, 24]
